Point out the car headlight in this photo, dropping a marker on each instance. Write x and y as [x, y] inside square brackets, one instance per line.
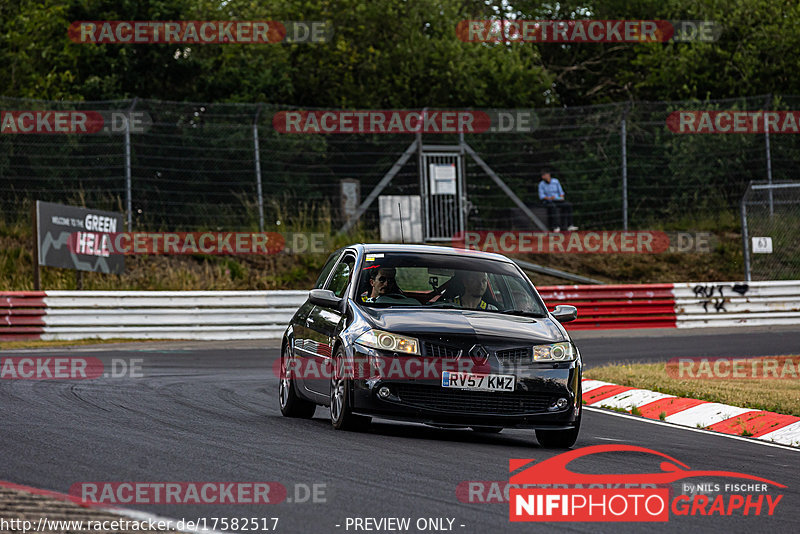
[557, 352]
[378, 339]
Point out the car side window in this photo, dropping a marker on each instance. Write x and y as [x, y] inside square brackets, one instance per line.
[341, 275]
[323, 276]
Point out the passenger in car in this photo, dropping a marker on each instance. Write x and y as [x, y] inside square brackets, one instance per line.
[469, 290]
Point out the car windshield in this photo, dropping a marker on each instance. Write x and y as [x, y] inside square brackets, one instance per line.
[445, 281]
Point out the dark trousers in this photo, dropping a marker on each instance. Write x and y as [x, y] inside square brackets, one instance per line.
[559, 213]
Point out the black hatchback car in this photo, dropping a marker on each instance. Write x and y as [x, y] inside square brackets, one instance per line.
[436, 335]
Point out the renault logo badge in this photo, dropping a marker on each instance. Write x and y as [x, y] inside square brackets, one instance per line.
[479, 354]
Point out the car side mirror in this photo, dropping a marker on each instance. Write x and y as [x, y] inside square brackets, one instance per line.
[324, 297]
[565, 313]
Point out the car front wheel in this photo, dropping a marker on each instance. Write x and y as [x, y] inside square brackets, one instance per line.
[558, 439]
[342, 417]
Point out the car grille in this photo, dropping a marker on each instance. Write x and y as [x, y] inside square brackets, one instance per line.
[473, 402]
[514, 356]
[440, 351]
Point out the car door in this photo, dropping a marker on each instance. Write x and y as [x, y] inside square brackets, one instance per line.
[303, 348]
[322, 325]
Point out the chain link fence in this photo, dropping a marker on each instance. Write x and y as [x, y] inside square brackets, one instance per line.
[771, 223]
[221, 166]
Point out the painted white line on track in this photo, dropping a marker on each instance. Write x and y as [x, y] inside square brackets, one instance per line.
[755, 441]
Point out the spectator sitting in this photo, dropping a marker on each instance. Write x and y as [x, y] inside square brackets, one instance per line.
[559, 211]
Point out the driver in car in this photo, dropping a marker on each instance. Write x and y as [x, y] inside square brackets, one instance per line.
[472, 290]
[382, 281]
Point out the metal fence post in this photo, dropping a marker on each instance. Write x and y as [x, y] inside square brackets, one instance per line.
[745, 239]
[258, 172]
[423, 184]
[128, 187]
[624, 140]
[769, 154]
[462, 171]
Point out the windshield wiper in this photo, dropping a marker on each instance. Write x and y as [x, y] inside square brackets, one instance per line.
[524, 313]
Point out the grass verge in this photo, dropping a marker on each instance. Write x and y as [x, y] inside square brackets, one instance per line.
[774, 395]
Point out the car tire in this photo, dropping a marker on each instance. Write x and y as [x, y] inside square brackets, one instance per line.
[342, 417]
[558, 439]
[487, 429]
[291, 404]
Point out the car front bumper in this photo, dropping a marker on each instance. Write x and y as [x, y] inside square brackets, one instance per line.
[530, 405]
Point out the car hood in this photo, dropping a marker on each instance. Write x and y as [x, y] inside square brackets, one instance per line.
[486, 326]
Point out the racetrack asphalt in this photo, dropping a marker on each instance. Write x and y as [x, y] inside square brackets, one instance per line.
[209, 412]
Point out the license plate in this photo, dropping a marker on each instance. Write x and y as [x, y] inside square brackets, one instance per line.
[478, 382]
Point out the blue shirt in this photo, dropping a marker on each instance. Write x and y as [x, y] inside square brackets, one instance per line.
[553, 189]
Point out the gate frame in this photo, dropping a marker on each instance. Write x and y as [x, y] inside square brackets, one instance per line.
[462, 148]
[754, 185]
[456, 151]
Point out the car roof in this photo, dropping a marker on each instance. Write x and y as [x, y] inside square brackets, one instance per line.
[369, 248]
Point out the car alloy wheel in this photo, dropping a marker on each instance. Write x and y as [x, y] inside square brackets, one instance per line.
[342, 417]
[284, 386]
[337, 399]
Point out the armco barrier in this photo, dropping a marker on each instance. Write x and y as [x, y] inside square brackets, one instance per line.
[22, 315]
[264, 314]
[706, 304]
[203, 315]
[616, 306]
